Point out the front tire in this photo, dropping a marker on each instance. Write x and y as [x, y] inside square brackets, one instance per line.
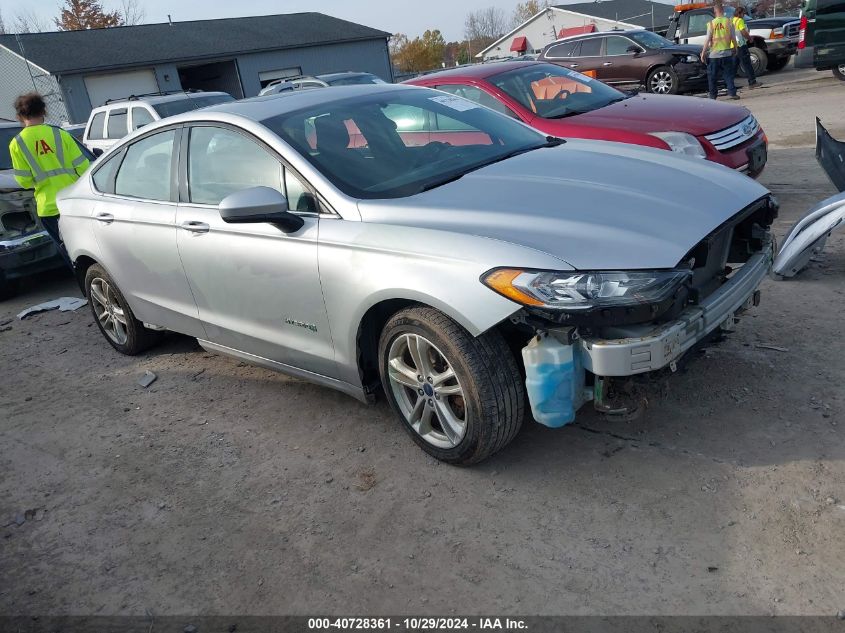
[663, 80]
[759, 61]
[777, 63]
[461, 398]
[839, 72]
[113, 315]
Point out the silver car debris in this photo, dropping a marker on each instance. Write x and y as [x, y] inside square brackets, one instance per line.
[449, 266]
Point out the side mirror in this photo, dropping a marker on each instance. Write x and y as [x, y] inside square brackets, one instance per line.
[259, 204]
[97, 152]
[633, 48]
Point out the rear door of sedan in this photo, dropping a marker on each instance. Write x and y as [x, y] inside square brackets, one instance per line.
[257, 288]
[133, 223]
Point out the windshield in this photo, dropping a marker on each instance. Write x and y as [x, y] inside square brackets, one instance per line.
[400, 142]
[650, 40]
[6, 136]
[172, 108]
[355, 79]
[553, 92]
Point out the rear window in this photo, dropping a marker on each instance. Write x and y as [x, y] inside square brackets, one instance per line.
[172, 108]
[95, 130]
[561, 50]
[117, 123]
[591, 47]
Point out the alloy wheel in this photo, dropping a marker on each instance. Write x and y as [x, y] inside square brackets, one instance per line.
[661, 82]
[427, 390]
[108, 310]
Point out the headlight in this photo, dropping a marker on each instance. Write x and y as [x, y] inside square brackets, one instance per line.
[691, 59]
[682, 143]
[584, 290]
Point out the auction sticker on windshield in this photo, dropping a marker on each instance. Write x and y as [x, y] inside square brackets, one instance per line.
[456, 103]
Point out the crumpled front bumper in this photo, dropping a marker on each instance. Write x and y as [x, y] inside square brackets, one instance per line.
[643, 348]
[27, 255]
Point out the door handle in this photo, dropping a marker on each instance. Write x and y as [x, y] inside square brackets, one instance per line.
[573, 65]
[195, 227]
[607, 64]
[105, 218]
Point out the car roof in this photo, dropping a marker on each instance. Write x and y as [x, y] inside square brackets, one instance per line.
[346, 73]
[268, 106]
[4, 123]
[588, 36]
[476, 71]
[155, 99]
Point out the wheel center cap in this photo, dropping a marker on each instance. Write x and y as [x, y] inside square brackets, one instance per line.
[429, 390]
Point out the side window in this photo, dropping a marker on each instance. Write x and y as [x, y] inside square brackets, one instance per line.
[222, 161]
[618, 45]
[117, 127]
[95, 130]
[561, 50]
[104, 176]
[299, 197]
[141, 117]
[146, 171]
[479, 96]
[697, 24]
[591, 47]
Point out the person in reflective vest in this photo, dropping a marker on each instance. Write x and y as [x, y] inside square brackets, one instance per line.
[47, 159]
[743, 57]
[721, 45]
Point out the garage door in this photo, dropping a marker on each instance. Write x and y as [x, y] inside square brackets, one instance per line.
[118, 85]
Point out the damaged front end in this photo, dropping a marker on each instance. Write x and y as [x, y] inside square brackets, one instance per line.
[608, 353]
[25, 247]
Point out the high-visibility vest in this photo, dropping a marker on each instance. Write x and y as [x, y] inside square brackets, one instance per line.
[47, 159]
[720, 29]
[739, 27]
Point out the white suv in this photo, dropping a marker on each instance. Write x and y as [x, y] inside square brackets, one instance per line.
[111, 122]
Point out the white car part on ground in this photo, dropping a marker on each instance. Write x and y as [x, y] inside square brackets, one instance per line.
[807, 238]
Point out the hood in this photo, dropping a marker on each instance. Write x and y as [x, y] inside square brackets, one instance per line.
[687, 49]
[664, 113]
[7, 181]
[594, 204]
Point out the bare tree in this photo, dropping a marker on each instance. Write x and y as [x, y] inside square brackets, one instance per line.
[29, 22]
[2, 24]
[132, 12]
[524, 11]
[483, 27]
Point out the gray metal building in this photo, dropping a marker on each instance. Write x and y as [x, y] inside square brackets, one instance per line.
[80, 70]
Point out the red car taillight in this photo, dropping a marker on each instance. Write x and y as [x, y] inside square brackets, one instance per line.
[802, 33]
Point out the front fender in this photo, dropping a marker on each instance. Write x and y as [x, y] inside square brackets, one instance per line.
[363, 264]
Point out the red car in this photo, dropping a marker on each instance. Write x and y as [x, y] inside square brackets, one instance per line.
[561, 102]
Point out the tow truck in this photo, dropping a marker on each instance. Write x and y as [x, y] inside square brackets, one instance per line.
[773, 40]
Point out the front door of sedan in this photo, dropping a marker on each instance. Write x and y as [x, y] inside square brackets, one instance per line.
[588, 58]
[134, 228]
[257, 288]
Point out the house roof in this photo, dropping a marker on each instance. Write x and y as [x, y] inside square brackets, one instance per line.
[637, 12]
[99, 49]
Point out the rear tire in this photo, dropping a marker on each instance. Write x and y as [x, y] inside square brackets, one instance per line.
[777, 63]
[460, 397]
[113, 315]
[663, 80]
[839, 72]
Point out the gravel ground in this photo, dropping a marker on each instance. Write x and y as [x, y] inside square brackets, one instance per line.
[224, 488]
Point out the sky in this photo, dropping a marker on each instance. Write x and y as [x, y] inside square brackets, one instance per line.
[394, 16]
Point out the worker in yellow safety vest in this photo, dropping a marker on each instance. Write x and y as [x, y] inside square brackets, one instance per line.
[47, 159]
[721, 45]
[743, 56]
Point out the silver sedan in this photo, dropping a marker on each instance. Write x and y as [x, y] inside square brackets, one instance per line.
[402, 241]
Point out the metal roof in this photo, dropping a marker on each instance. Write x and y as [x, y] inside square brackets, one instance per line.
[638, 12]
[100, 49]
